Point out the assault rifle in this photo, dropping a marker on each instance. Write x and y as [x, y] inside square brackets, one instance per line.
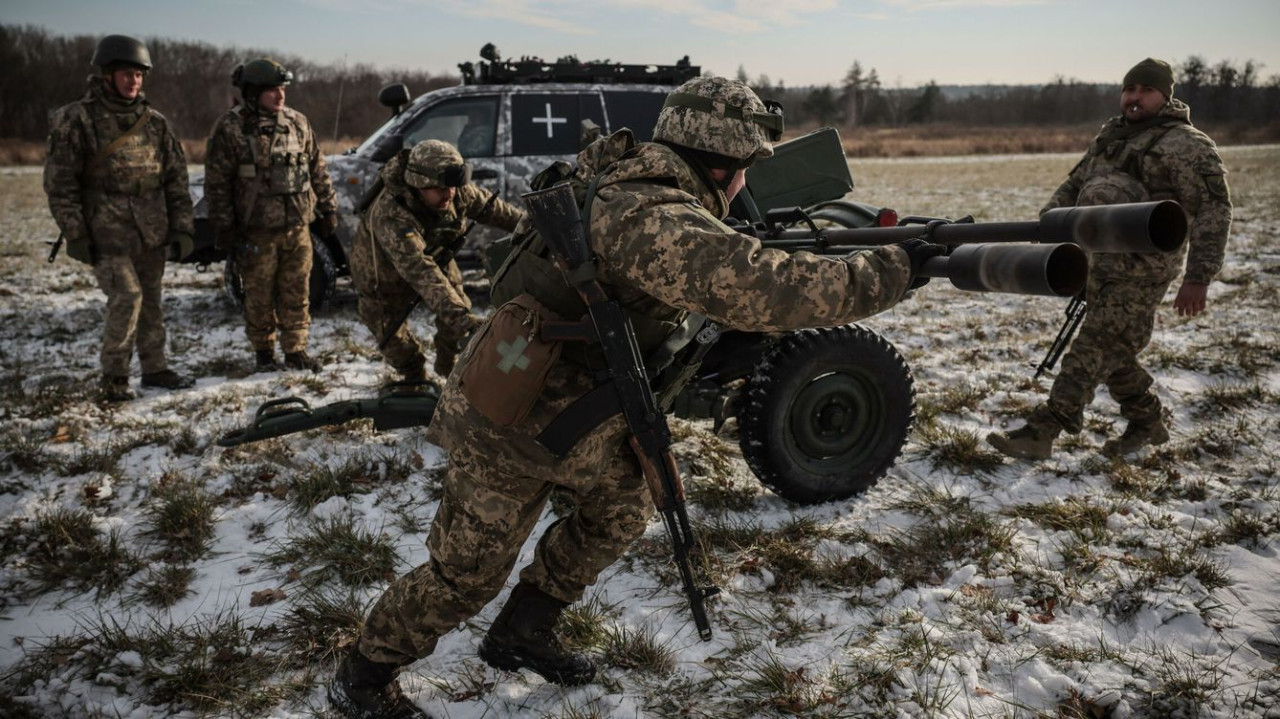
[554, 213]
[980, 258]
[1075, 315]
[398, 405]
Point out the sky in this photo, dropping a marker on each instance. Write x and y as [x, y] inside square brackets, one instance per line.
[799, 42]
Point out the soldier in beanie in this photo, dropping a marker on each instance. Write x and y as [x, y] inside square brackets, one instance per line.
[267, 185]
[116, 178]
[404, 250]
[1149, 152]
[653, 213]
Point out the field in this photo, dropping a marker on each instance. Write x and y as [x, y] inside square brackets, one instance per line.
[146, 572]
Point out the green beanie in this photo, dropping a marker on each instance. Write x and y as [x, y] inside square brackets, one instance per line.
[1152, 73]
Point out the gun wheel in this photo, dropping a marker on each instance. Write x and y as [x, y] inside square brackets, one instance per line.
[826, 413]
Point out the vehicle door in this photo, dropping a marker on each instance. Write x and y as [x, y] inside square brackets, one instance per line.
[546, 125]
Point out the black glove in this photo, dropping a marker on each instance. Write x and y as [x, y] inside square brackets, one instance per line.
[918, 251]
[327, 225]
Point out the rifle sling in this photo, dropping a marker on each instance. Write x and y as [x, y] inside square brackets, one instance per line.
[578, 419]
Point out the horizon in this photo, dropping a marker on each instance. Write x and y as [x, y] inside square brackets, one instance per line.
[949, 42]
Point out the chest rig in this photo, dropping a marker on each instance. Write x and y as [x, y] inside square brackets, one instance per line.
[127, 160]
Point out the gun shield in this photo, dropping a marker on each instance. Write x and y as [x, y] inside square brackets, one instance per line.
[1049, 270]
[1137, 227]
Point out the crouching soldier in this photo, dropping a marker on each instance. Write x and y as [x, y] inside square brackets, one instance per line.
[404, 251]
[116, 179]
[266, 180]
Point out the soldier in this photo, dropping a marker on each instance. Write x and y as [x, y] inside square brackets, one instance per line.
[1149, 152]
[116, 178]
[266, 180]
[404, 251]
[655, 213]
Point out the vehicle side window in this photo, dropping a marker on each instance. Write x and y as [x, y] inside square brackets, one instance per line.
[469, 124]
[551, 123]
[635, 110]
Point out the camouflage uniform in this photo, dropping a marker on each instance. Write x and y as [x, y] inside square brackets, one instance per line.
[662, 252]
[120, 214]
[1162, 159]
[402, 252]
[265, 180]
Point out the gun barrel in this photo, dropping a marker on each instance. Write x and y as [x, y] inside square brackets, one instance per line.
[1049, 270]
[554, 213]
[1137, 227]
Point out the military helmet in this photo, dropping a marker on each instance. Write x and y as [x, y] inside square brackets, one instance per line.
[121, 50]
[260, 72]
[435, 163]
[720, 116]
[1111, 188]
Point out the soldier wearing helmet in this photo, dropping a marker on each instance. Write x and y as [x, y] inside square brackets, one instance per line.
[418, 216]
[654, 214]
[268, 189]
[1148, 152]
[116, 178]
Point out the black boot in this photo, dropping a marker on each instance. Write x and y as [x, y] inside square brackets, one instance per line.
[301, 360]
[167, 379]
[365, 689]
[265, 361]
[522, 637]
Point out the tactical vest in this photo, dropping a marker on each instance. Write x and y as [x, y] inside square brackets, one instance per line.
[530, 269]
[133, 167]
[272, 167]
[1127, 155]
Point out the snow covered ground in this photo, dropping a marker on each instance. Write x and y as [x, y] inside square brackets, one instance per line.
[146, 572]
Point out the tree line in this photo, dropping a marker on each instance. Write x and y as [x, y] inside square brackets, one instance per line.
[190, 84]
[1225, 92]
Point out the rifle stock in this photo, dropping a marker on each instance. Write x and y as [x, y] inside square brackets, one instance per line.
[554, 213]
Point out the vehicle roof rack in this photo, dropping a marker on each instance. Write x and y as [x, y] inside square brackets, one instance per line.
[494, 70]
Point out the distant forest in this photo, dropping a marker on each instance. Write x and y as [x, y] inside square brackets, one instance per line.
[191, 85]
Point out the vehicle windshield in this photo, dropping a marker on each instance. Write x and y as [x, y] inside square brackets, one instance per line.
[371, 142]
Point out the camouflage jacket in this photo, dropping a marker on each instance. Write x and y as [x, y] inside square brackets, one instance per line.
[401, 239]
[265, 172]
[127, 200]
[1172, 161]
[661, 248]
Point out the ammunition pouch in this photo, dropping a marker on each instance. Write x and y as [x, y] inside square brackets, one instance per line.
[506, 366]
[288, 174]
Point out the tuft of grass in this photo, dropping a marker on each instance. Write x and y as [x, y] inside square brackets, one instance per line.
[321, 625]
[337, 549]
[182, 519]
[1222, 398]
[69, 551]
[961, 450]
[1072, 514]
[105, 459]
[926, 552]
[164, 587]
[583, 625]
[769, 684]
[355, 474]
[639, 650]
[23, 452]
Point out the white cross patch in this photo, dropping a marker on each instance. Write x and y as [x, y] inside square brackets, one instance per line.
[513, 355]
[549, 120]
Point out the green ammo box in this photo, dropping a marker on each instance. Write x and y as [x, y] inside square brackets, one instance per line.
[803, 171]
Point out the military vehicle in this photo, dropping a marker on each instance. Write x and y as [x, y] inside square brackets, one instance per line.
[509, 118]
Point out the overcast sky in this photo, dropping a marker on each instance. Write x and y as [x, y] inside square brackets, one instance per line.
[801, 42]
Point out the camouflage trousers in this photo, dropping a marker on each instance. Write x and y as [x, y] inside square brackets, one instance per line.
[475, 540]
[1117, 326]
[134, 316]
[383, 305]
[275, 271]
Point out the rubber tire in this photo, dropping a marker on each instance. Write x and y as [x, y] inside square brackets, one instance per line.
[324, 277]
[866, 394]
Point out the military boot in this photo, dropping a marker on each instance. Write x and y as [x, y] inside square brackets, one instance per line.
[167, 379]
[115, 389]
[1034, 440]
[446, 356]
[365, 689]
[301, 360]
[1136, 436]
[522, 637]
[265, 361]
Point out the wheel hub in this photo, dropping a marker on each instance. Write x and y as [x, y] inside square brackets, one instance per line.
[835, 414]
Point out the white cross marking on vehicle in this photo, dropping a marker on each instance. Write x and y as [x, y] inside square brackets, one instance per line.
[513, 355]
[550, 120]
